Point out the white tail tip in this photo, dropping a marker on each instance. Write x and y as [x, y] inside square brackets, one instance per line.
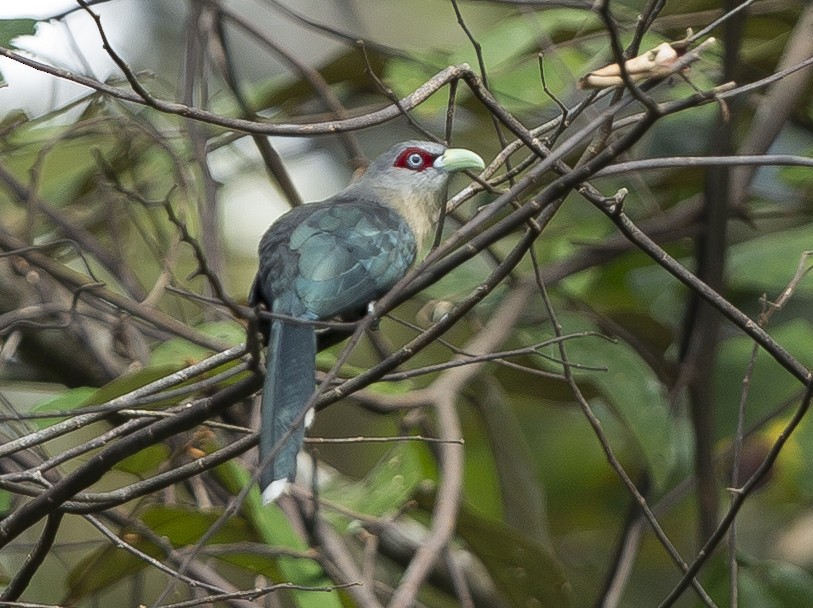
[277, 488]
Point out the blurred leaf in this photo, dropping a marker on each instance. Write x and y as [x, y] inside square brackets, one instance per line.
[68, 400]
[272, 527]
[776, 256]
[11, 28]
[173, 355]
[521, 567]
[513, 69]
[12, 119]
[509, 49]
[770, 384]
[69, 169]
[634, 393]
[105, 567]
[399, 387]
[461, 281]
[798, 177]
[344, 71]
[180, 352]
[326, 359]
[184, 526]
[179, 525]
[130, 382]
[766, 41]
[773, 584]
[520, 493]
[86, 396]
[5, 502]
[406, 75]
[144, 462]
[384, 490]
[795, 462]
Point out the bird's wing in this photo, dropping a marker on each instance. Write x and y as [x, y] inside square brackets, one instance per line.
[323, 259]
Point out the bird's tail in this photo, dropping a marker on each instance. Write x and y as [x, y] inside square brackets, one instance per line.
[289, 381]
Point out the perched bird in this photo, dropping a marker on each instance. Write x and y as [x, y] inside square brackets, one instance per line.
[322, 260]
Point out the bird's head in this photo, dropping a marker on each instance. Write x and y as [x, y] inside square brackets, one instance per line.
[412, 177]
[424, 165]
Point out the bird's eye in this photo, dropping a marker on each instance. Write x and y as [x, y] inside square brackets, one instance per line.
[414, 159]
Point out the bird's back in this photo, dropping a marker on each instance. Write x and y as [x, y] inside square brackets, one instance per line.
[323, 259]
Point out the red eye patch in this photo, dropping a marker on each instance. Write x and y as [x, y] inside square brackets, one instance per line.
[414, 159]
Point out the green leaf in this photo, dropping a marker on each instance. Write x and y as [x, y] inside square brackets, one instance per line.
[770, 385]
[776, 257]
[144, 462]
[271, 525]
[11, 28]
[168, 358]
[522, 502]
[86, 396]
[523, 570]
[512, 68]
[797, 177]
[5, 502]
[385, 489]
[633, 392]
[105, 567]
[774, 584]
[179, 350]
[65, 401]
[404, 76]
[180, 526]
[130, 382]
[183, 526]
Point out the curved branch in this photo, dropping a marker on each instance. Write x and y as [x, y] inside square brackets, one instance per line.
[327, 127]
[95, 468]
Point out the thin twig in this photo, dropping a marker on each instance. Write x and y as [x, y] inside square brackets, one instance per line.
[740, 495]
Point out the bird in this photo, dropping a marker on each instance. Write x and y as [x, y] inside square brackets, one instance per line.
[326, 259]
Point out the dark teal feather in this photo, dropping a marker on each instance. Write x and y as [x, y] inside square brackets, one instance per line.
[318, 261]
[289, 380]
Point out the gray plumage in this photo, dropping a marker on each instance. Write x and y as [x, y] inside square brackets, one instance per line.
[321, 260]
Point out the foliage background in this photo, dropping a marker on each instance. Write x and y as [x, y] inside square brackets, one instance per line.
[144, 224]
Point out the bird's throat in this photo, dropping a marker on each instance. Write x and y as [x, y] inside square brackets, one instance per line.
[420, 210]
